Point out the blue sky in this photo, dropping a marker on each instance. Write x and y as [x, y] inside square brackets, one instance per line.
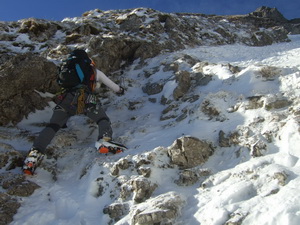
[12, 10]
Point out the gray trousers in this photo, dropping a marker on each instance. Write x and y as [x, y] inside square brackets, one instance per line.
[63, 111]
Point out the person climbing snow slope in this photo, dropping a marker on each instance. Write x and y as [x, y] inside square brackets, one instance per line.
[80, 81]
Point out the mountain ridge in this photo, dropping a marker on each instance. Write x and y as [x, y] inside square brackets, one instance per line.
[212, 129]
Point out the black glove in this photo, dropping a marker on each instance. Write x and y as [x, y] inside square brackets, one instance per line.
[121, 91]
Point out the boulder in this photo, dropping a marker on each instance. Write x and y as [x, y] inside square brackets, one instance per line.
[8, 208]
[112, 53]
[163, 209]
[271, 13]
[143, 189]
[187, 178]
[22, 78]
[153, 88]
[188, 152]
[116, 210]
[16, 184]
[278, 103]
[38, 29]
[183, 79]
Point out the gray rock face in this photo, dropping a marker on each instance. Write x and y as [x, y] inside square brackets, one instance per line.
[116, 210]
[38, 30]
[164, 209]
[188, 152]
[271, 13]
[184, 84]
[143, 189]
[21, 77]
[8, 208]
[187, 178]
[114, 40]
[17, 185]
[278, 103]
[153, 88]
[29, 47]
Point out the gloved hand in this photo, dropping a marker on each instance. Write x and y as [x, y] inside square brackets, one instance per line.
[121, 91]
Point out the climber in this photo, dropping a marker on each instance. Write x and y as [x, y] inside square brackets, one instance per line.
[79, 80]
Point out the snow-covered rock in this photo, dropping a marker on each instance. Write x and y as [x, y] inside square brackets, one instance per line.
[223, 151]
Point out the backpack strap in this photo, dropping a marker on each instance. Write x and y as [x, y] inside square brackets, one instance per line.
[79, 72]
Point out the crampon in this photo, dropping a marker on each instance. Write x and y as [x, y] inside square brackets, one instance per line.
[105, 147]
[33, 159]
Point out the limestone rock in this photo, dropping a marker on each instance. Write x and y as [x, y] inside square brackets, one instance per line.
[254, 102]
[16, 184]
[152, 88]
[10, 159]
[209, 109]
[144, 171]
[223, 141]
[114, 41]
[188, 152]
[187, 178]
[267, 12]
[277, 104]
[8, 208]
[21, 77]
[38, 29]
[143, 189]
[122, 164]
[258, 149]
[116, 210]
[164, 209]
[184, 83]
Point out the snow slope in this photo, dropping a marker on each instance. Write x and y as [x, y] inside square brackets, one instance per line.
[240, 189]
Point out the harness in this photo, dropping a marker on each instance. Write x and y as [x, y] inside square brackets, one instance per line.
[82, 99]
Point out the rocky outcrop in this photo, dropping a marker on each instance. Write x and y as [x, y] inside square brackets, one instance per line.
[125, 35]
[164, 209]
[184, 83]
[37, 29]
[270, 13]
[17, 185]
[8, 208]
[13, 186]
[188, 152]
[267, 15]
[114, 40]
[116, 210]
[132, 193]
[22, 78]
